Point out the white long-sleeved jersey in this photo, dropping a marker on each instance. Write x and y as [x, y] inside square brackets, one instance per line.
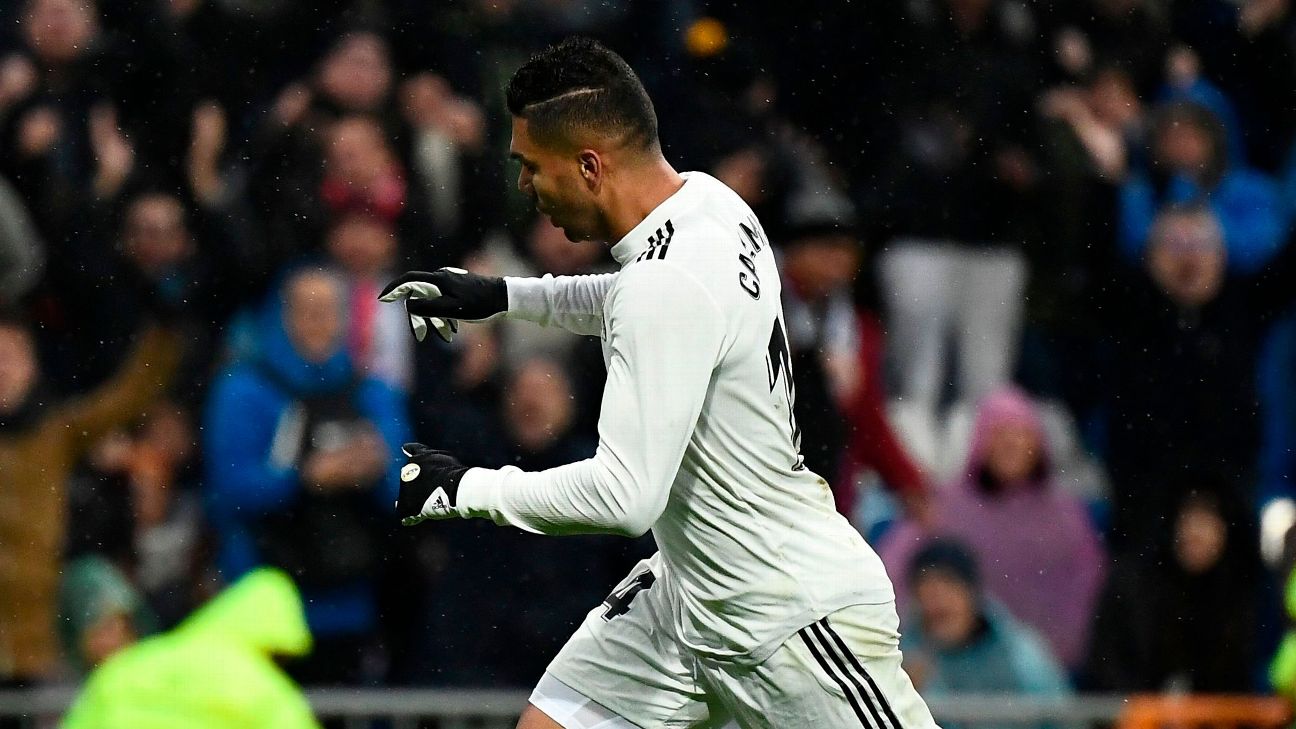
[696, 435]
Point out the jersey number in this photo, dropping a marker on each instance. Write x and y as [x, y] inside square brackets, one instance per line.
[778, 360]
[618, 602]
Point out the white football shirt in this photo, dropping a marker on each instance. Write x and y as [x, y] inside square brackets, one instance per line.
[697, 441]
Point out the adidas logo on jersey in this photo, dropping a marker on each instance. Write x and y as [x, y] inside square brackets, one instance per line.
[658, 242]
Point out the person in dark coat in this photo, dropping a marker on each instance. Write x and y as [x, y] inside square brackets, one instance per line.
[1184, 335]
[1182, 616]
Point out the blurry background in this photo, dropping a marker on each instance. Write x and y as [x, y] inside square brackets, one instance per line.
[1037, 280]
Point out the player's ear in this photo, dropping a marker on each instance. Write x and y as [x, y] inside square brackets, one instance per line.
[591, 168]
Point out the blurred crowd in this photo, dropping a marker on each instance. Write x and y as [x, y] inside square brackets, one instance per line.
[1038, 283]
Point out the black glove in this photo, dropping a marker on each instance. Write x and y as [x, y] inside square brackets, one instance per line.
[444, 296]
[429, 484]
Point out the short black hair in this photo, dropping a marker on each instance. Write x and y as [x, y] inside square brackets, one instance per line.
[581, 84]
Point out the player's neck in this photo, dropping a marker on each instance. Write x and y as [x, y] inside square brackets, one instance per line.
[642, 191]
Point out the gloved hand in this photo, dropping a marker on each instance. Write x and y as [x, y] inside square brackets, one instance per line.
[429, 484]
[444, 296]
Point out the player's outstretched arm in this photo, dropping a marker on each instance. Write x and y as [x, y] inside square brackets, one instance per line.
[439, 299]
[665, 336]
[574, 303]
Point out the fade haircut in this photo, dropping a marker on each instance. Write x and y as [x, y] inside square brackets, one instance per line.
[580, 85]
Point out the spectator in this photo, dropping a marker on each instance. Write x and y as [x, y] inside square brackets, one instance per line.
[1183, 618]
[137, 503]
[1190, 165]
[837, 356]
[170, 534]
[539, 412]
[356, 74]
[361, 172]
[956, 200]
[302, 454]
[961, 641]
[100, 612]
[216, 671]
[41, 440]
[151, 259]
[343, 114]
[363, 247]
[1042, 554]
[51, 85]
[1093, 133]
[1184, 333]
[75, 95]
[450, 156]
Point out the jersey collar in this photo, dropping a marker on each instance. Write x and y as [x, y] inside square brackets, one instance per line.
[639, 237]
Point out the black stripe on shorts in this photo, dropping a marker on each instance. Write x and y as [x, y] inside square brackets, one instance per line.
[818, 630]
[841, 644]
[841, 683]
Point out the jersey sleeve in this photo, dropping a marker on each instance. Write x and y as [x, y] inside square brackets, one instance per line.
[574, 303]
[665, 338]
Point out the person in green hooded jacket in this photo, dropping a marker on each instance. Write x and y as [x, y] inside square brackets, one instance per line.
[216, 670]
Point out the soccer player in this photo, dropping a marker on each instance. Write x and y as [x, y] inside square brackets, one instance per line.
[763, 607]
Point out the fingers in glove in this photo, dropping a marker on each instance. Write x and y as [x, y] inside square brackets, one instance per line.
[412, 291]
[445, 328]
[418, 327]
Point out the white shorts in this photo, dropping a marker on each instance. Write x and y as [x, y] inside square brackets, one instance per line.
[623, 668]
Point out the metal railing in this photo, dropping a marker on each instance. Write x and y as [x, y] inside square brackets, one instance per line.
[408, 708]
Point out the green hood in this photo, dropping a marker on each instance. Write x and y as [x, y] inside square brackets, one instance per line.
[262, 611]
[214, 671]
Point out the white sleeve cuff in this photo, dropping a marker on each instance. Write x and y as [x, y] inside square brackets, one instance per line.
[528, 298]
[475, 490]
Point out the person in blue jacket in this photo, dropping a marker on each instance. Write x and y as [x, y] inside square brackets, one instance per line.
[1191, 164]
[959, 640]
[302, 459]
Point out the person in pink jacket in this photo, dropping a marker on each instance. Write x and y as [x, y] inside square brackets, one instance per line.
[1041, 555]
